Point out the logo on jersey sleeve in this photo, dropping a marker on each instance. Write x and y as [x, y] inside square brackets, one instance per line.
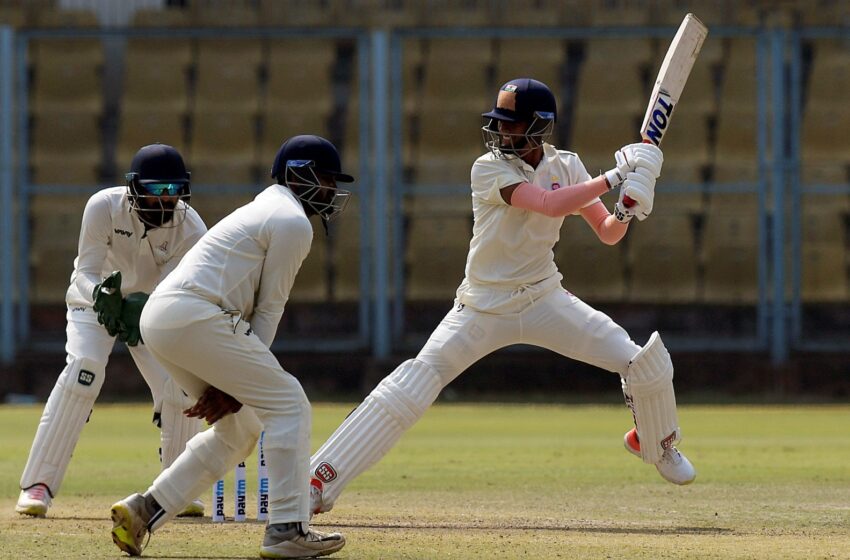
[325, 472]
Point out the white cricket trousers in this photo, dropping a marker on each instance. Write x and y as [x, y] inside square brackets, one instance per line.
[73, 396]
[557, 320]
[201, 345]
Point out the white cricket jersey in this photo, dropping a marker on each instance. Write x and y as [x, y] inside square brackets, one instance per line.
[511, 248]
[112, 237]
[246, 264]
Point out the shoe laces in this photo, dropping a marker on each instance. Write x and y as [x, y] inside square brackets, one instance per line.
[37, 492]
[317, 536]
[672, 456]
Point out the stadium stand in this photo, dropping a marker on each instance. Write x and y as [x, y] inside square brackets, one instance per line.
[437, 244]
[301, 13]
[228, 103]
[156, 74]
[602, 87]
[223, 148]
[280, 124]
[14, 16]
[824, 249]
[472, 13]
[140, 127]
[544, 59]
[449, 120]
[616, 12]
[730, 257]
[66, 149]
[346, 239]
[300, 75]
[662, 256]
[591, 270]
[54, 235]
[228, 75]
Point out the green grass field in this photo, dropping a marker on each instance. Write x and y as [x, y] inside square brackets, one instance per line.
[492, 481]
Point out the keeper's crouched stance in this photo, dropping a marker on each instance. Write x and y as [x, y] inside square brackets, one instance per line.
[142, 230]
[512, 294]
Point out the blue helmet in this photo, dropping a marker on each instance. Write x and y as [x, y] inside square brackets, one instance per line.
[158, 186]
[524, 99]
[313, 148]
[521, 100]
[298, 164]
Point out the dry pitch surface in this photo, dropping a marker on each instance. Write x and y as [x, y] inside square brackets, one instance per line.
[492, 481]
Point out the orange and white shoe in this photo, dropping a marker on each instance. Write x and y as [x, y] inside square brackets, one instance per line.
[673, 467]
[34, 501]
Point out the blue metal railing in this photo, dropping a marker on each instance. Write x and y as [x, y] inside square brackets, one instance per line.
[778, 345]
[7, 199]
[798, 339]
[380, 58]
[14, 331]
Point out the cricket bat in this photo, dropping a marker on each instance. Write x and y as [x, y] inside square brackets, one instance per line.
[672, 76]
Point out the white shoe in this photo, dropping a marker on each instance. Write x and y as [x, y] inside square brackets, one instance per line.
[287, 540]
[673, 467]
[130, 524]
[34, 501]
[194, 509]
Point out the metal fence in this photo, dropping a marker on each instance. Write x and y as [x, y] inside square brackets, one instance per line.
[780, 323]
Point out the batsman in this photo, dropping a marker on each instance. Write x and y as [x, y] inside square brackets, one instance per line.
[522, 189]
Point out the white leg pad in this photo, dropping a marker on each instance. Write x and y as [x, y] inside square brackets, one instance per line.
[648, 388]
[209, 456]
[62, 421]
[176, 427]
[372, 429]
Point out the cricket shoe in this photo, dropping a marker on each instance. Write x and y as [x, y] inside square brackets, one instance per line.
[130, 520]
[194, 509]
[673, 467]
[296, 540]
[34, 501]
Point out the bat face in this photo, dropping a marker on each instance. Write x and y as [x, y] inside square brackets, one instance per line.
[659, 112]
[670, 82]
[677, 65]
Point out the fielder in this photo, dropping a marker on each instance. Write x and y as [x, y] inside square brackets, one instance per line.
[521, 191]
[211, 322]
[141, 230]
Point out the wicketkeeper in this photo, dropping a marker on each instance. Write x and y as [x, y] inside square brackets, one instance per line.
[141, 230]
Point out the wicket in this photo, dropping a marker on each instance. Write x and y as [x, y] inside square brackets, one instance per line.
[240, 484]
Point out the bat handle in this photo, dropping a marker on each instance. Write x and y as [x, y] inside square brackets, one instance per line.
[628, 201]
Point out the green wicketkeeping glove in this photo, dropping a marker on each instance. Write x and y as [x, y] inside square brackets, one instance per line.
[107, 302]
[131, 312]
